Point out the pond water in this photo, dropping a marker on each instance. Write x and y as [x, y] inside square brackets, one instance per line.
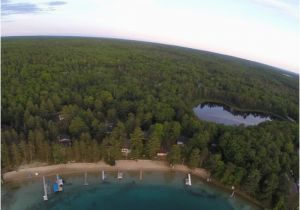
[157, 190]
[221, 114]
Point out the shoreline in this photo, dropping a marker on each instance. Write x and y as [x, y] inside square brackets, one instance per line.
[27, 172]
[127, 165]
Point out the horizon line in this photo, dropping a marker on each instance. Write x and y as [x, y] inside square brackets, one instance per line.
[159, 43]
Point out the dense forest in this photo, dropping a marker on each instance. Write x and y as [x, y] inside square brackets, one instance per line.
[84, 99]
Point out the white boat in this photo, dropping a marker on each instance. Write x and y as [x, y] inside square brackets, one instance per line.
[188, 180]
[103, 176]
[120, 175]
[45, 196]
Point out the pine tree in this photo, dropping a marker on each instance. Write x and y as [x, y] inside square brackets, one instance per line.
[194, 158]
[46, 152]
[16, 155]
[30, 150]
[5, 159]
[58, 153]
[95, 151]
[39, 144]
[136, 139]
[77, 126]
[23, 150]
[152, 146]
[76, 150]
[174, 155]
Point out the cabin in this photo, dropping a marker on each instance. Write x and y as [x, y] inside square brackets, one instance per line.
[61, 117]
[162, 153]
[125, 150]
[126, 147]
[182, 140]
[64, 140]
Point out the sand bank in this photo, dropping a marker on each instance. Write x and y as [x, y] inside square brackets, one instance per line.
[28, 172]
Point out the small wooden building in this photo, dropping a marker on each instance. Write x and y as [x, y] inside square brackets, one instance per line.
[64, 140]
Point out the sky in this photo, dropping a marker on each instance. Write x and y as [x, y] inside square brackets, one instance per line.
[266, 31]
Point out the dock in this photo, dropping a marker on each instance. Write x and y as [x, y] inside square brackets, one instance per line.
[45, 197]
[188, 180]
[85, 179]
[141, 174]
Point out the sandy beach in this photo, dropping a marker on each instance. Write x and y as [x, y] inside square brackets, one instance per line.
[29, 171]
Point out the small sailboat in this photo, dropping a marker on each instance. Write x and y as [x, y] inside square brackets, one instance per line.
[120, 175]
[232, 194]
[188, 180]
[45, 196]
[103, 176]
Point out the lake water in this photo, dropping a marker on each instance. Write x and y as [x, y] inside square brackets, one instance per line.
[157, 191]
[222, 114]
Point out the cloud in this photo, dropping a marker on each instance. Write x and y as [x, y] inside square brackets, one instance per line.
[8, 8]
[289, 7]
[56, 3]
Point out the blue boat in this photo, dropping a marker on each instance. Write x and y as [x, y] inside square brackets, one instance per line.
[58, 184]
[55, 187]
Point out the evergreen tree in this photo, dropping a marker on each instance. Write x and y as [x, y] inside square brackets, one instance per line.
[58, 153]
[23, 150]
[5, 159]
[136, 140]
[95, 152]
[76, 150]
[251, 181]
[194, 158]
[16, 155]
[77, 126]
[30, 148]
[174, 155]
[152, 145]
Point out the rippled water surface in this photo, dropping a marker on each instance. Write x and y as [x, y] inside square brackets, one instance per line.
[157, 190]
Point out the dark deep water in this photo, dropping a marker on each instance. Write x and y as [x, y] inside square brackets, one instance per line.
[157, 191]
[221, 114]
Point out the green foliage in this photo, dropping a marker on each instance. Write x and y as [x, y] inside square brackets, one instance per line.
[110, 91]
[58, 153]
[16, 155]
[5, 159]
[174, 155]
[154, 141]
[194, 158]
[137, 138]
[77, 126]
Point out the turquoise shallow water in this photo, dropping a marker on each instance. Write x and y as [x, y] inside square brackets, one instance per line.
[157, 190]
